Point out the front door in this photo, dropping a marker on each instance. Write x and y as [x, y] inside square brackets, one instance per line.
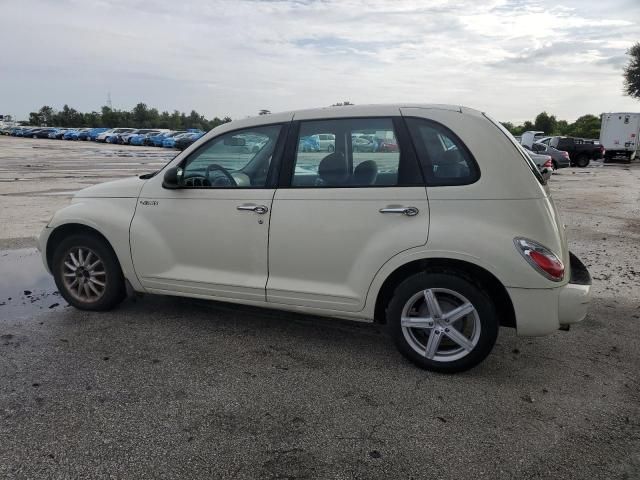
[344, 213]
[209, 238]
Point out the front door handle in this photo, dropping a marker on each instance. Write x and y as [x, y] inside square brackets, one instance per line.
[408, 211]
[259, 209]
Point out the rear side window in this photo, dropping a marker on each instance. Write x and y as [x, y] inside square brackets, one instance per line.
[445, 159]
[353, 152]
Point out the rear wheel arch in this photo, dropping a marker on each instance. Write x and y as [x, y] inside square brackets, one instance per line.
[474, 273]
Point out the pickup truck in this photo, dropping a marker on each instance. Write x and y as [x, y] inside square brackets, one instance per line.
[581, 151]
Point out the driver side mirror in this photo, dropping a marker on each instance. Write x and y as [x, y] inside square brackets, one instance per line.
[173, 178]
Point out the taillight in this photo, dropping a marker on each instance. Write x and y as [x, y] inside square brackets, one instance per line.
[548, 164]
[565, 154]
[541, 258]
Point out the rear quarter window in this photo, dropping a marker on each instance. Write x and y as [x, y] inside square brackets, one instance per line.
[445, 160]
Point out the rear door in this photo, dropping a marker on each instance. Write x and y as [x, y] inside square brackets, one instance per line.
[340, 215]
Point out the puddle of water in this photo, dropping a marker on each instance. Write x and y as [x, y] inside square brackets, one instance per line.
[25, 286]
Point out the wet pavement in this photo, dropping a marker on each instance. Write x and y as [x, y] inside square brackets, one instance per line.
[25, 286]
[164, 387]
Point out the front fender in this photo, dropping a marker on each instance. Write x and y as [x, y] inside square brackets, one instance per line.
[111, 217]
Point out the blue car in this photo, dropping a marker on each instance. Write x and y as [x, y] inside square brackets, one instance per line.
[142, 138]
[90, 133]
[56, 133]
[94, 132]
[170, 142]
[156, 140]
[184, 141]
[309, 144]
[70, 134]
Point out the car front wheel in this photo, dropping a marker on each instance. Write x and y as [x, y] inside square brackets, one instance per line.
[87, 273]
[442, 321]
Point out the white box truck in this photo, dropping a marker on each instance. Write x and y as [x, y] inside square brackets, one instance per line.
[619, 136]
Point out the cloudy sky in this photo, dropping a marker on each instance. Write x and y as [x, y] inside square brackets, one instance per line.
[511, 58]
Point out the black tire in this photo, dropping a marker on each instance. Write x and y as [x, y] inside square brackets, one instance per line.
[555, 164]
[582, 161]
[114, 290]
[462, 285]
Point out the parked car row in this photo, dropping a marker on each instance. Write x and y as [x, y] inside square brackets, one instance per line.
[150, 137]
[359, 143]
[578, 151]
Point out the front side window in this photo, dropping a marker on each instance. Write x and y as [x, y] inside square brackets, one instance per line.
[355, 152]
[445, 160]
[239, 159]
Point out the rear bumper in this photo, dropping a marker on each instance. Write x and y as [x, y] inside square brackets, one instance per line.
[541, 311]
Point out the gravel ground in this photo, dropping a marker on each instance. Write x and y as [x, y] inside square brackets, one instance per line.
[174, 388]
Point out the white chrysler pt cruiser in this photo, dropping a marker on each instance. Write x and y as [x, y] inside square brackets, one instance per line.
[428, 218]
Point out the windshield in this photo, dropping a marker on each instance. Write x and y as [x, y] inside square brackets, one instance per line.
[531, 164]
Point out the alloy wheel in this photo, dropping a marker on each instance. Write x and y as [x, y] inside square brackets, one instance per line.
[84, 274]
[440, 324]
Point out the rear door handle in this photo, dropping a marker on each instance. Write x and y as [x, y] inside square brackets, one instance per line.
[408, 211]
[259, 209]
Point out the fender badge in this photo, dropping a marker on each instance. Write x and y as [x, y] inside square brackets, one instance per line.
[149, 202]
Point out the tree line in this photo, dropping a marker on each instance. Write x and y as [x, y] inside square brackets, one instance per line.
[141, 116]
[587, 126]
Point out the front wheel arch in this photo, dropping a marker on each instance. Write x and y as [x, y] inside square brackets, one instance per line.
[470, 271]
[63, 231]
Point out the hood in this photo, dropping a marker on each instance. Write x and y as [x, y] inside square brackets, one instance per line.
[124, 188]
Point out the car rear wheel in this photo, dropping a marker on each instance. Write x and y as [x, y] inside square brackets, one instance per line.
[582, 161]
[442, 321]
[87, 273]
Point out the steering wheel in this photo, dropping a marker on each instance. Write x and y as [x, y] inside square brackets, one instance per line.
[220, 168]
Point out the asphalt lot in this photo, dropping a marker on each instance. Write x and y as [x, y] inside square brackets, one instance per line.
[175, 388]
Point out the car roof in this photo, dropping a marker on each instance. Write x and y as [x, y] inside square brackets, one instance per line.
[347, 111]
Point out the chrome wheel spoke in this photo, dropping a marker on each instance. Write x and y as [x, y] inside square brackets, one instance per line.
[94, 264]
[80, 257]
[459, 338]
[70, 275]
[432, 304]
[94, 274]
[74, 283]
[94, 289]
[87, 291]
[97, 282]
[458, 312]
[417, 322]
[87, 259]
[432, 344]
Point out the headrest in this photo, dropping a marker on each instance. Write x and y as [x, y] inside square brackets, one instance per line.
[365, 173]
[333, 169]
